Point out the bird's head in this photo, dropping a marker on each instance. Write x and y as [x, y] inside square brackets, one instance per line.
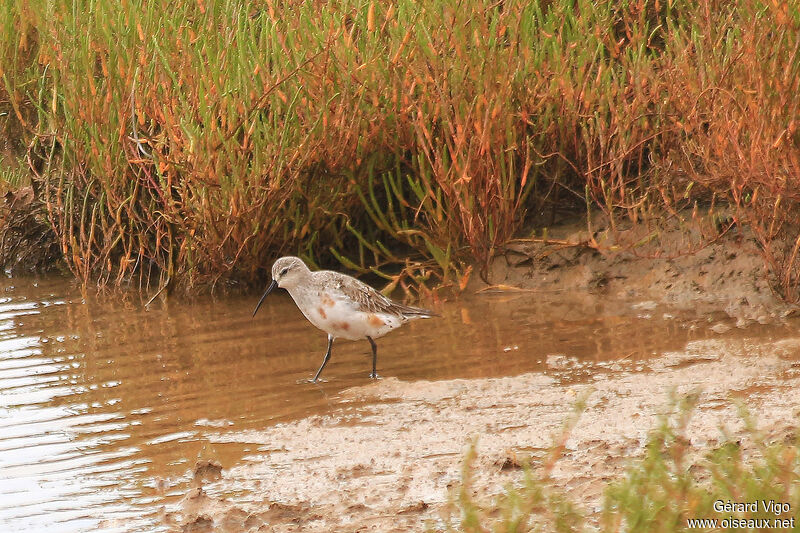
[287, 273]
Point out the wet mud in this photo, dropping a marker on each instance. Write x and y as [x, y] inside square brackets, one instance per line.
[390, 466]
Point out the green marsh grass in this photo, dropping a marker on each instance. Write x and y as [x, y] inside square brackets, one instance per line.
[659, 491]
[195, 140]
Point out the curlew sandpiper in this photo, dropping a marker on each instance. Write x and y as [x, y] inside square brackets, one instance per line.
[340, 305]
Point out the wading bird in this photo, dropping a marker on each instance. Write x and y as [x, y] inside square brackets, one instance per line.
[340, 305]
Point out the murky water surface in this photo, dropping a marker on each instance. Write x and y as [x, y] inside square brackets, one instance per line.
[105, 407]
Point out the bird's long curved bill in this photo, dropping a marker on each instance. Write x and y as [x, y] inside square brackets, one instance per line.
[269, 290]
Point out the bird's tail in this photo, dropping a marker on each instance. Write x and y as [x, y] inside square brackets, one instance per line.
[416, 312]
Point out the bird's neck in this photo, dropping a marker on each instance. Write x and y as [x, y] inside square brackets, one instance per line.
[302, 286]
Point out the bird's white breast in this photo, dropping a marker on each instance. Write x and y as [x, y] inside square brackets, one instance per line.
[335, 314]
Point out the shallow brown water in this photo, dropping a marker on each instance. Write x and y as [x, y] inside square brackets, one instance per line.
[105, 407]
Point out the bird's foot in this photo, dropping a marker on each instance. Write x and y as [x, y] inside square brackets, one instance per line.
[374, 375]
[312, 381]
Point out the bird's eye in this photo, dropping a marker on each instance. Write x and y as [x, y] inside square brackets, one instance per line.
[284, 271]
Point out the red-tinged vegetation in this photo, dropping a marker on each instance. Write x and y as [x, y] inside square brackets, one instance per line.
[196, 141]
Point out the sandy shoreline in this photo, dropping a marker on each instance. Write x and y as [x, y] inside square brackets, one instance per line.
[389, 465]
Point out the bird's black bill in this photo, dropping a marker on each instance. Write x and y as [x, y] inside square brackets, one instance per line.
[269, 290]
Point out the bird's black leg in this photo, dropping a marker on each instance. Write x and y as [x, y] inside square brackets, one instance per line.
[374, 357]
[324, 361]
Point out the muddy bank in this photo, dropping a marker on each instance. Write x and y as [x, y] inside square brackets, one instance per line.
[684, 263]
[388, 465]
